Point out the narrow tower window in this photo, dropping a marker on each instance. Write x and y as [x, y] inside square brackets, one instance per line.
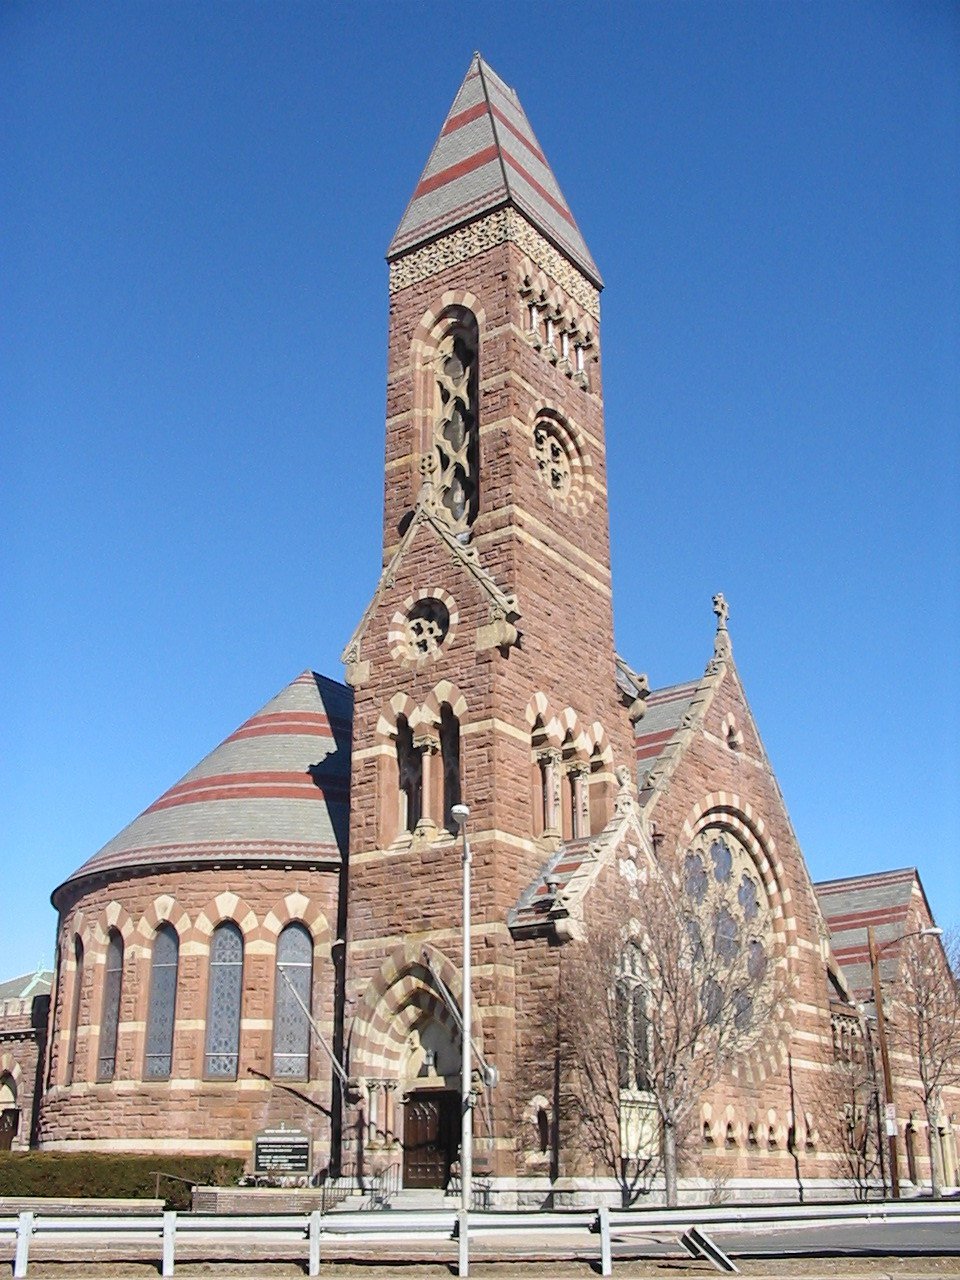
[158, 1057]
[292, 1002]
[410, 771]
[456, 435]
[222, 1049]
[110, 1016]
[450, 754]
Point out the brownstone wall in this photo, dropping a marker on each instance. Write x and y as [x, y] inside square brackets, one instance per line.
[555, 559]
[23, 1038]
[188, 1113]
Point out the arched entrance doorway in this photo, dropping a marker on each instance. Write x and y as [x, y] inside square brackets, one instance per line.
[431, 1108]
[405, 1060]
[9, 1112]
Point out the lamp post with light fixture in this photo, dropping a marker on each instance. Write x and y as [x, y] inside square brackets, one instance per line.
[460, 813]
[890, 1115]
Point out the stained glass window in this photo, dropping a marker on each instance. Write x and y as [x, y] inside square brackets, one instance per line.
[291, 1027]
[747, 897]
[75, 1009]
[110, 1015]
[696, 877]
[222, 1050]
[163, 1003]
[722, 860]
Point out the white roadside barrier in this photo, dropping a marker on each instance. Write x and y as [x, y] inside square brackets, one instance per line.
[156, 1236]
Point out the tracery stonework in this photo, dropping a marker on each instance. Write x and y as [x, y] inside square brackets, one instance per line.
[477, 237]
[419, 631]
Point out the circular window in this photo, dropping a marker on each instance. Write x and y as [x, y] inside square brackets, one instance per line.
[427, 625]
[729, 923]
[419, 631]
[560, 462]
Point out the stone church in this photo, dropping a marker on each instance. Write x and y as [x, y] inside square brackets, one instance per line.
[275, 941]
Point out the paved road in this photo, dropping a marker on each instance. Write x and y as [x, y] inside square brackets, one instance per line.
[891, 1239]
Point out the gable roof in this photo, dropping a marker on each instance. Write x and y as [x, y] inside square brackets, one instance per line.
[27, 985]
[276, 788]
[882, 899]
[427, 517]
[487, 156]
[666, 709]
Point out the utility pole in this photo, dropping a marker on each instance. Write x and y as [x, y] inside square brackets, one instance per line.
[889, 1118]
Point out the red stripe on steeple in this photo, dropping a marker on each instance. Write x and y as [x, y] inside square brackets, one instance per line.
[562, 209]
[455, 171]
[476, 111]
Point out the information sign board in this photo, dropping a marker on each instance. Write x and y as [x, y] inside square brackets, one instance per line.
[281, 1151]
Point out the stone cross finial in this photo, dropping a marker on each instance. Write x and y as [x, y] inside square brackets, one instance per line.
[722, 610]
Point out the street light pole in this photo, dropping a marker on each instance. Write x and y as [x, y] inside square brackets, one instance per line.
[889, 1120]
[460, 814]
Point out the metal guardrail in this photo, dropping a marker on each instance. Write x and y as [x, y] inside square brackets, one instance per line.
[155, 1236]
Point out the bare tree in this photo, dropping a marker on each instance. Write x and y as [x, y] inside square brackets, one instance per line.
[926, 1026]
[675, 982]
[847, 1111]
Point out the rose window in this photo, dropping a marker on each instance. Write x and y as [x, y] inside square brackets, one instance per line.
[729, 925]
[552, 460]
[419, 630]
[562, 466]
[427, 625]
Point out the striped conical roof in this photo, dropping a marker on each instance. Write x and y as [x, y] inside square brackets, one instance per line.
[276, 789]
[487, 156]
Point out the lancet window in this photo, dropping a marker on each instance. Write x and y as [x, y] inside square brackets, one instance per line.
[75, 1009]
[633, 1023]
[222, 1048]
[110, 1014]
[292, 1003]
[455, 432]
[410, 771]
[161, 1016]
[450, 756]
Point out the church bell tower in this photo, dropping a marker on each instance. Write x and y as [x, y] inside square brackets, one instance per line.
[483, 668]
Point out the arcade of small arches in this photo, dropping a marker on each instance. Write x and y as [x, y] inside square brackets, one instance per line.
[556, 329]
[115, 965]
[419, 792]
[571, 773]
[571, 785]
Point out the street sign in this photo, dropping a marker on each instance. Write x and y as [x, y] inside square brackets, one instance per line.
[281, 1151]
[891, 1120]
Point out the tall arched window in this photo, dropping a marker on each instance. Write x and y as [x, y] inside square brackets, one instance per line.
[75, 1008]
[456, 435]
[450, 755]
[110, 1013]
[410, 768]
[222, 1048]
[292, 1001]
[158, 1057]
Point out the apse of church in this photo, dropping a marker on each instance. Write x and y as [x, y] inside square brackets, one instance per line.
[276, 940]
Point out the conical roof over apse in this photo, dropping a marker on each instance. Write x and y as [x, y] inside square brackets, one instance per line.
[278, 789]
[487, 156]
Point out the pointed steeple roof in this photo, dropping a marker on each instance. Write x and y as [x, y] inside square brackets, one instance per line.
[487, 156]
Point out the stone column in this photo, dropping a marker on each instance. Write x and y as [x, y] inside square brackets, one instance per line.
[580, 804]
[428, 746]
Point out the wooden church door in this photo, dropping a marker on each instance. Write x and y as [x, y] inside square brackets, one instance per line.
[430, 1132]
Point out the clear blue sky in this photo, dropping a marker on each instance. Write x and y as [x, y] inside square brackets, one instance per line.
[195, 203]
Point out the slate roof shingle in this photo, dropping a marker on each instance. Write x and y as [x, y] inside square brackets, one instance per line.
[849, 905]
[278, 787]
[487, 156]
